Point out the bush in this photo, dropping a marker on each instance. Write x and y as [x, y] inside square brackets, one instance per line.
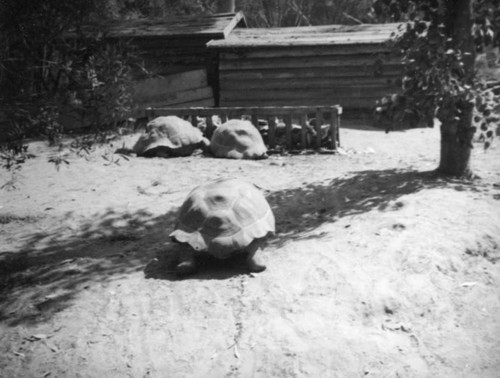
[50, 67]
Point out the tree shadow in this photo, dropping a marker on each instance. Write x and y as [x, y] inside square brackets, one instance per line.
[44, 276]
[50, 270]
[300, 210]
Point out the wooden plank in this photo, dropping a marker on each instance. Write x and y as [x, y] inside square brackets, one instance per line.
[305, 62]
[212, 26]
[179, 97]
[304, 131]
[325, 40]
[332, 93]
[257, 35]
[297, 92]
[318, 72]
[350, 103]
[255, 119]
[333, 50]
[168, 53]
[306, 83]
[146, 43]
[169, 69]
[203, 102]
[243, 110]
[334, 130]
[288, 130]
[307, 35]
[313, 30]
[143, 109]
[334, 38]
[272, 131]
[210, 127]
[319, 122]
[172, 83]
[238, 18]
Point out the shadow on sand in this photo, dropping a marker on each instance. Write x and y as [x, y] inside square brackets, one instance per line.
[301, 210]
[37, 282]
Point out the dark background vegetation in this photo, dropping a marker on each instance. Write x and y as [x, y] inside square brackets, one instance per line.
[49, 67]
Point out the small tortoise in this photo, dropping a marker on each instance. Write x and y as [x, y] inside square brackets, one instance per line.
[238, 139]
[169, 137]
[222, 218]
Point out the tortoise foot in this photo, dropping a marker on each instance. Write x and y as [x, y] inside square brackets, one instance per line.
[255, 266]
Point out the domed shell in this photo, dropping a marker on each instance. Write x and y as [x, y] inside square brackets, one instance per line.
[224, 216]
[238, 139]
[169, 136]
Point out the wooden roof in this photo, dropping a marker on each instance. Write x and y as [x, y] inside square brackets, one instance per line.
[307, 36]
[214, 26]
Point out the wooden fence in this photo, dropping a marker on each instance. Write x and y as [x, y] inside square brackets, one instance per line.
[288, 114]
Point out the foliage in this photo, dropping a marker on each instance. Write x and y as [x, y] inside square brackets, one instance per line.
[52, 68]
[12, 157]
[259, 13]
[439, 77]
[132, 9]
[282, 13]
[99, 84]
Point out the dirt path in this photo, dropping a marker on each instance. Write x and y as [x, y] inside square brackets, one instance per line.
[377, 269]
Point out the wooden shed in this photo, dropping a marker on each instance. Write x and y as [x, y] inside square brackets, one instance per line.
[307, 66]
[175, 44]
[180, 70]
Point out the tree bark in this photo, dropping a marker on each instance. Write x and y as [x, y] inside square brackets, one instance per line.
[456, 134]
[225, 6]
[456, 142]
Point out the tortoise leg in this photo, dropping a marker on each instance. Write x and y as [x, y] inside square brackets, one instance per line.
[205, 145]
[187, 264]
[253, 263]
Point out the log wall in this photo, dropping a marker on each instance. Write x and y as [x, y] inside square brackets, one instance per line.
[311, 66]
[179, 90]
[175, 44]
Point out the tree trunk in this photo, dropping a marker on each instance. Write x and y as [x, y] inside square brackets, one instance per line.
[456, 135]
[456, 144]
[225, 6]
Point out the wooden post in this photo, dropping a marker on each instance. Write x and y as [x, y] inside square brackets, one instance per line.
[288, 130]
[334, 127]
[193, 119]
[210, 127]
[303, 131]
[338, 114]
[255, 120]
[272, 131]
[319, 123]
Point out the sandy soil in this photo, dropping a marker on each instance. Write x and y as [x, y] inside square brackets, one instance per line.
[378, 269]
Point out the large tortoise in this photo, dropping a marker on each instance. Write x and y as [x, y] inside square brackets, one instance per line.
[223, 218]
[169, 137]
[238, 139]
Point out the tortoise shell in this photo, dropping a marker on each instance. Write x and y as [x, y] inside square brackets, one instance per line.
[238, 139]
[223, 217]
[169, 136]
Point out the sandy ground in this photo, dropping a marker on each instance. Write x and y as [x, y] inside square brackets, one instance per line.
[378, 269]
